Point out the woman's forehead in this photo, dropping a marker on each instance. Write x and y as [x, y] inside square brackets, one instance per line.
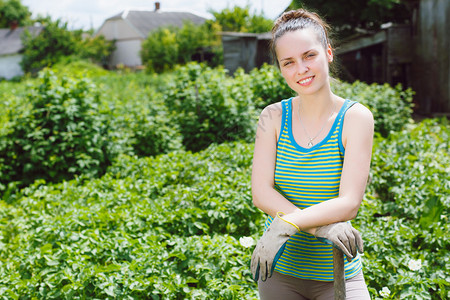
[301, 40]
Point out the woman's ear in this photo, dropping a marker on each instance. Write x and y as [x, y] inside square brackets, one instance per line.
[330, 53]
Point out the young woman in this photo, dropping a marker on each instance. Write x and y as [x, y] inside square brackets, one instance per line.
[310, 168]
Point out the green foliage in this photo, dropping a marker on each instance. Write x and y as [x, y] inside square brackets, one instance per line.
[160, 50]
[192, 107]
[209, 106]
[267, 84]
[47, 48]
[12, 11]
[96, 48]
[391, 106]
[12, 95]
[169, 46]
[56, 42]
[153, 133]
[62, 135]
[151, 228]
[405, 214]
[140, 122]
[239, 19]
[78, 68]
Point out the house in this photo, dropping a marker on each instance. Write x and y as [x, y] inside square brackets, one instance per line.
[131, 27]
[11, 50]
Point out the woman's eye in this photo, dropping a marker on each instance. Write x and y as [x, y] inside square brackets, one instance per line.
[287, 63]
[310, 55]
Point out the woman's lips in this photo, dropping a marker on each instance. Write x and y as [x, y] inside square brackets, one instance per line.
[306, 81]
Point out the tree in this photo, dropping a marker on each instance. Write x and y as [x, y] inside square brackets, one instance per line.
[160, 50]
[60, 136]
[168, 46]
[47, 48]
[56, 41]
[239, 19]
[96, 49]
[348, 16]
[13, 12]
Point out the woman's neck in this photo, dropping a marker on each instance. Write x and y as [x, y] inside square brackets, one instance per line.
[317, 105]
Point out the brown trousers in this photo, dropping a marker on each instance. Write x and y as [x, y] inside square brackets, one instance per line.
[284, 287]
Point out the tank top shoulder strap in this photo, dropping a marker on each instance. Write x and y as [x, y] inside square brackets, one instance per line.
[340, 121]
[285, 117]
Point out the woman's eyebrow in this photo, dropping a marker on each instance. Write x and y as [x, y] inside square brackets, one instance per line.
[311, 50]
[303, 54]
[286, 58]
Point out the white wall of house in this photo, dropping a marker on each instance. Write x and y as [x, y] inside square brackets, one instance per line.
[128, 42]
[127, 53]
[10, 66]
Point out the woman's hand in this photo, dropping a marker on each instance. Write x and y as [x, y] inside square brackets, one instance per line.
[343, 236]
[270, 247]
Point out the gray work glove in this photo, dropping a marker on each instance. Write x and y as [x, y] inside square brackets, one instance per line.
[343, 236]
[270, 247]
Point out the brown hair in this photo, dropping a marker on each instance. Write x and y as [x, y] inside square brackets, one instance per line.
[299, 19]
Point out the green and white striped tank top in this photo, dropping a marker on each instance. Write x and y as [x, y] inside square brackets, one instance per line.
[307, 176]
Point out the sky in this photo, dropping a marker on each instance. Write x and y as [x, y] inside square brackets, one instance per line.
[90, 14]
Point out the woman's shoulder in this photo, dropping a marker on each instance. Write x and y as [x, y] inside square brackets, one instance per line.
[359, 112]
[270, 118]
[272, 111]
[358, 118]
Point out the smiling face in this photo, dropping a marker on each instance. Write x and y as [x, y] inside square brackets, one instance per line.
[304, 61]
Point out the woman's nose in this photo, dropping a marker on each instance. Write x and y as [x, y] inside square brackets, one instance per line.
[302, 68]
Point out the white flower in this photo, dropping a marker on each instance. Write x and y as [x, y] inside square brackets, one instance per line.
[415, 265]
[246, 241]
[385, 292]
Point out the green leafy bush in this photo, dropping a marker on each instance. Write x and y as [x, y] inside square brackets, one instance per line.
[168, 46]
[404, 218]
[152, 132]
[160, 51]
[140, 122]
[13, 103]
[12, 11]
[78, 68]
[62, 135]
[391, 106]
[267, 84]
[56, 42]
[209, 106]
[239, 19]
[151, 228]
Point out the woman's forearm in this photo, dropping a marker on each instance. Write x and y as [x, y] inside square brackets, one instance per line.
[271, 201]
[334, 210]
[331, 211]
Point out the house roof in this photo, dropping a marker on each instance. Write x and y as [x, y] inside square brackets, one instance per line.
[10, 39]
[146, 21]
[259, 36]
